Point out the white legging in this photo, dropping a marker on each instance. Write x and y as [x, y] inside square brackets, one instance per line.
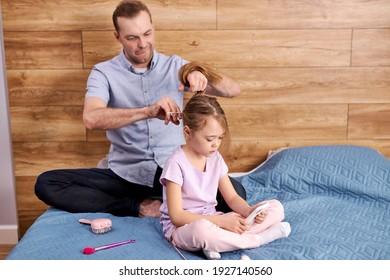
[205, 235]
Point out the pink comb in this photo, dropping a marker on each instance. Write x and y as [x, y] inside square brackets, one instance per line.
[89, 250]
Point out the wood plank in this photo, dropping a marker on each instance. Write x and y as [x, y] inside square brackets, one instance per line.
[27, 218]
[97, 15]
[371, 47]
[25, 195]
[261, 48]
[52, 123]
[47, 15]
[33, 158]
[46, 87]
[244, 155]
[43, 50]
[260, 122]
[99, 46]
[303, 14]
[297, 121]
[310, 85]
[96, 135]
[5, 249]
[369, 121]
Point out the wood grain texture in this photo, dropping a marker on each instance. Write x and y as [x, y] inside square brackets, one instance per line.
[5, 249]
[43, 50]
[27, 218]
[74, 15]
[369, 121]
[58, 123]
[251, 122]
[33, 158]
[339, 85]
[371, 47]
[261, 48]
[47, 87]
[25, 195]
[302, 14]
[244, 155]
[311, 73]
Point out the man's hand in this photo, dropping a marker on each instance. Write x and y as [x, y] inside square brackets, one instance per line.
[165, 109]
[197, 81]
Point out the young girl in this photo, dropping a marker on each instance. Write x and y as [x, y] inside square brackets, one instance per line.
[191, 177]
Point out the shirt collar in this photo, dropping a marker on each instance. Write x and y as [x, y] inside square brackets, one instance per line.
[126, 63]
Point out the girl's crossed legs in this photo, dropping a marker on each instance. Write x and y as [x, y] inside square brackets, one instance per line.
[204, 235]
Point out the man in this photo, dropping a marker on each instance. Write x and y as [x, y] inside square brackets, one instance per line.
[136, 97]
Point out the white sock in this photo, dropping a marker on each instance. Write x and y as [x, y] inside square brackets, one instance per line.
[274, 232]
[212, 255]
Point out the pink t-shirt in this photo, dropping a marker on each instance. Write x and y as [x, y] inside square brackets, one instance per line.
[199, 188]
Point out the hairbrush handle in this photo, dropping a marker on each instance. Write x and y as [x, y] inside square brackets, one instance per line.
[114, 245]
[88, 250]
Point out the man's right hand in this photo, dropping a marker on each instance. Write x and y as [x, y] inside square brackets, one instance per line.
[165, 109]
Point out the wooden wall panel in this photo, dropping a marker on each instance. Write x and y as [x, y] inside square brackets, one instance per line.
[263, 48]
[33, 158]
[244, 155]
[58, 123]
[96, 15]
[25, 195]
[96, 135]
[302, 14]
[99, 46]
[42, 50]
[287, 121]
[371, 47]
[260, 48]
[311, 73]
[47, 87]
[369, 121]
[302, 85]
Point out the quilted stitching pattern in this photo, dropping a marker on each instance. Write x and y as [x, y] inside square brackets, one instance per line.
[336, 198]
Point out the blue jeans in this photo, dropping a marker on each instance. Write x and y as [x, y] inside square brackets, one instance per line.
[101, 190]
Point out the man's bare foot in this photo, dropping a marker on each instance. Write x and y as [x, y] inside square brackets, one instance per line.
[150, 208]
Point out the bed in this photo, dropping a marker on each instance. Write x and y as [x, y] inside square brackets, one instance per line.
[336, 198]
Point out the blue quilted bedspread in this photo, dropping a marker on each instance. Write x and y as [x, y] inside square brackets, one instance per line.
[336, 198]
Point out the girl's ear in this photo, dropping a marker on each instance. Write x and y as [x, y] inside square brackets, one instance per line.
[187, 131]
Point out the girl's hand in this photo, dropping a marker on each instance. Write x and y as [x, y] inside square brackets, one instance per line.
[233, 222]
[262, 215]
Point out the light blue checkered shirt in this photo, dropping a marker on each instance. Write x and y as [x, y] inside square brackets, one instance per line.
[137, 149]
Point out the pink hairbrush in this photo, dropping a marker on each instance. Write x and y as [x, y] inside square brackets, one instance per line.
[101, 225]
[89, 250]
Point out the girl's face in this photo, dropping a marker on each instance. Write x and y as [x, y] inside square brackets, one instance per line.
[206, 140]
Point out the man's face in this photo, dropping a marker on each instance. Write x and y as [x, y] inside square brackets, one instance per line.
[137, 38]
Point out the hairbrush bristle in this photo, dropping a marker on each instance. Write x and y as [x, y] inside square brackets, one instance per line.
[101, 230]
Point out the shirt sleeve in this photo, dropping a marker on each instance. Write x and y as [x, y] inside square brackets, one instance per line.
[97, 85]
[172, 172]
[224, 167]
